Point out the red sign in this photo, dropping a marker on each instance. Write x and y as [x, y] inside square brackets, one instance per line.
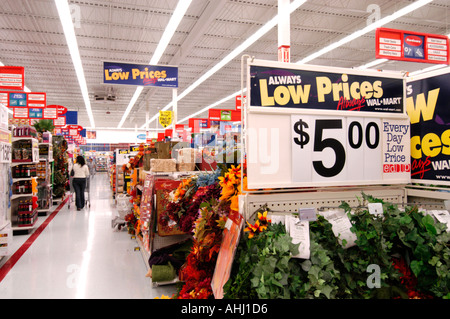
[196, 124]
[60, 121]
[168, 133]
[216, 115]
[50, 112]
[36, 99]
[239, 102]
[284, 53]
[61, 109]
[412, 46]
[12, 77]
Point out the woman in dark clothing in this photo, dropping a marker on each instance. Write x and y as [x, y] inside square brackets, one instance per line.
[81, 172]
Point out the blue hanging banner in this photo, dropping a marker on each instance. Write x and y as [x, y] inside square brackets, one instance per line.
[71, 117]
[141, 75]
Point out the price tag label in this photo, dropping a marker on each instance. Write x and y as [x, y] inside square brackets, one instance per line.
[348, 149]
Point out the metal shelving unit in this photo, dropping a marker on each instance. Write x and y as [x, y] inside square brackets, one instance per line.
[19, 218]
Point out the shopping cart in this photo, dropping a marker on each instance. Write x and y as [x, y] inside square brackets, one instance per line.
[87, 191]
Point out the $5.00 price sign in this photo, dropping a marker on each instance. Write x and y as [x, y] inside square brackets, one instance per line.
[348, 149]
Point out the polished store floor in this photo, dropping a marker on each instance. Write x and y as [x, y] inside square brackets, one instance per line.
[77, 254]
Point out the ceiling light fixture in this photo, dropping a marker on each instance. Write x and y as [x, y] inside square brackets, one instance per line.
[172, 26]
[397, 14]
[233, 54]
[71, 39]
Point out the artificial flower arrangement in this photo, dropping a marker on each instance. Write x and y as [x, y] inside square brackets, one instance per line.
[131, 221]
[230, 184]
[198, 271]
[215, 201]
[410, 248]
[184, 202]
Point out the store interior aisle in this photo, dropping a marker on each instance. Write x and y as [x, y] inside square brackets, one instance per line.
[79, 255]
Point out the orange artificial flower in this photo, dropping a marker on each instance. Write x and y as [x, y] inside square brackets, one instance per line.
[234, 203]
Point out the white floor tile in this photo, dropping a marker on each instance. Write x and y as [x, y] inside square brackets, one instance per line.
[79, 255]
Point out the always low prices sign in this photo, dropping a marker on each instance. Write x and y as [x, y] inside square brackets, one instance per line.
[142, 75]
[309, 126]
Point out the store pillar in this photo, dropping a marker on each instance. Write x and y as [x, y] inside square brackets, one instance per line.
[284, 31]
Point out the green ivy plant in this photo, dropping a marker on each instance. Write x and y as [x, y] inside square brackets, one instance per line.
[264, 267]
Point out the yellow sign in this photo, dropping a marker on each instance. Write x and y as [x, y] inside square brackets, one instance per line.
[165, 118]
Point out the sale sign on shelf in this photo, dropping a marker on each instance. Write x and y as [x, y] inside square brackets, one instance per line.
[310, 126]
[336, 148]
[412, 46]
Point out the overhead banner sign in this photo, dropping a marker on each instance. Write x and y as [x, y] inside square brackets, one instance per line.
[345, 90]
[298, 135]
[412, 46]
[141, 75]
[428, 107]
[12, 77]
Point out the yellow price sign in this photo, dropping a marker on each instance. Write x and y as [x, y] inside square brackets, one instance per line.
[165, 118]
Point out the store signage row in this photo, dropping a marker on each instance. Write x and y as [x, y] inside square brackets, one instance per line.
[310, 88]
[141, 75]
[308, 126]
[24, 99]
[412, 46]
[28, 105]
[12, 77]
[428, 107]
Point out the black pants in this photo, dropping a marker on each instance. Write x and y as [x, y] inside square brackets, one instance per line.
[79, 186]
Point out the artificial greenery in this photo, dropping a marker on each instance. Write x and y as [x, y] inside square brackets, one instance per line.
[410, 249]
[264, 266]
[44, 126]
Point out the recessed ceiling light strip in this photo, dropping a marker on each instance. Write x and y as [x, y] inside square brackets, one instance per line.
[71, 39]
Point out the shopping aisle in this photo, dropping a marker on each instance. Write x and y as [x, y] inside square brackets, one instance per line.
[79, 255]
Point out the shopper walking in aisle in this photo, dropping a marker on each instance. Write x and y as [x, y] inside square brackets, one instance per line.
[81, 172]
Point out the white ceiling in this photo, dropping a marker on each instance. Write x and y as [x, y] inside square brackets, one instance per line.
[129, 31]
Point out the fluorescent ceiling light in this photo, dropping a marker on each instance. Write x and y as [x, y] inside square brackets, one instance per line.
[233, 54]
[175, 20]
[71, 39]
[406, 10]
